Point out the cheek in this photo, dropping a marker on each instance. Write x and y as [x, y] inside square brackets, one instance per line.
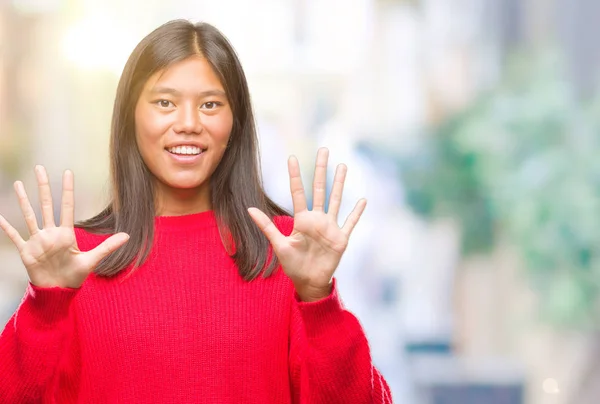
[220, 129]
[148, 132]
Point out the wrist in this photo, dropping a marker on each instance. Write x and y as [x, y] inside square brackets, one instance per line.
[312, 293]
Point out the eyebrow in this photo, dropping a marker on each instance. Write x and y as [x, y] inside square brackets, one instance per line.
[172, 91]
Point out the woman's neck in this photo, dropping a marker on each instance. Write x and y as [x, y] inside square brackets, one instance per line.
[179, 202]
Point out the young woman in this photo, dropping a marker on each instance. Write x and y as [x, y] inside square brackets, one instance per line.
[191, 286]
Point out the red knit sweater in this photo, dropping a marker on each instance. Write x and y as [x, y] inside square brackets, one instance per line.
[185, 328]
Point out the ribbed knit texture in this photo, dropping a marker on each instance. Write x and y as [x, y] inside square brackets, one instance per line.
[185, 328]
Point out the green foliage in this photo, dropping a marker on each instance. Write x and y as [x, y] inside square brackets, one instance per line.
[524, 163]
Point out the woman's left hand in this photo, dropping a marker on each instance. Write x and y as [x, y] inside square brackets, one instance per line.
[311, 253]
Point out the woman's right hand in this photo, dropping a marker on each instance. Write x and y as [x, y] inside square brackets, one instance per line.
[51, 255]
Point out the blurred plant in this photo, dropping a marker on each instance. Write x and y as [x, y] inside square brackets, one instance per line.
[522, 164]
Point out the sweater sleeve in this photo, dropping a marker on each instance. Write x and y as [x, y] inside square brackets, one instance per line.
[330, 359]
[39, 346]
[35, 345]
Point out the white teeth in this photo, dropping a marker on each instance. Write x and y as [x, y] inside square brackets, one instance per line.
[185, 150]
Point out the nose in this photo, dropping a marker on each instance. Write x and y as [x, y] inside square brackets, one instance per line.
[188, 120]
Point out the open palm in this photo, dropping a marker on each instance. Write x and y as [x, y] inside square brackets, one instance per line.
[311, 253]
[50, 255]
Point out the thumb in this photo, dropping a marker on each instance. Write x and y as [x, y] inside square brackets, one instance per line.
[266, 226]
[108, 246]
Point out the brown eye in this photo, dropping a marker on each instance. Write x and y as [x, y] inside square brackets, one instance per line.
[164, 103]
[210, 105]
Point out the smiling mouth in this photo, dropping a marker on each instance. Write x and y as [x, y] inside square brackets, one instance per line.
[185, 150]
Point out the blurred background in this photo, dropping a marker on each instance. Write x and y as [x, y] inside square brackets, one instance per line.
[472, 127]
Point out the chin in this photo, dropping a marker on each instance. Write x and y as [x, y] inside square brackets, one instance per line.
[183, 183]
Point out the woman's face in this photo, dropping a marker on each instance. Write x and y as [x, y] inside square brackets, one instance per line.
[183, 121]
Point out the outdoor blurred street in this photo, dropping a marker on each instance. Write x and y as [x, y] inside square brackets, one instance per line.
[471, 127]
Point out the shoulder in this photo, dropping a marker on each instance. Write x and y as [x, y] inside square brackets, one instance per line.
[285, 224]
[88, 241]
